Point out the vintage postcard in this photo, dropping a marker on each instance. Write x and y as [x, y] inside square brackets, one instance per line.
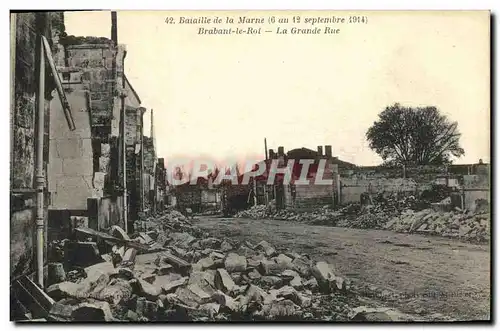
[214, 166]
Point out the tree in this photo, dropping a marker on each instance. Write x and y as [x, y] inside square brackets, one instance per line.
[414, 136]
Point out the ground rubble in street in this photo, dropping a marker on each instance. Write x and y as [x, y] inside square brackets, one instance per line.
[406, 215]
[187, 275]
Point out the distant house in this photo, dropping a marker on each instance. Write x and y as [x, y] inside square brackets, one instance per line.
[290, 195]
[201, 197]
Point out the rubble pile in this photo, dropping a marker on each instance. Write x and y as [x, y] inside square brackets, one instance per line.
[175, 272]
[453, 224]
[390, 212]
[325, 214]
[321, 215]
[353, 215]
[255, 212]
[366, 220]
[391, 204]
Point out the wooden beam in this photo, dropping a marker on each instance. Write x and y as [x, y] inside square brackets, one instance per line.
[110, 238]
[62, 96]
[32, 297]
[182, 265]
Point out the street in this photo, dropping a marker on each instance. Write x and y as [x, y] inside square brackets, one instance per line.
[415, 273]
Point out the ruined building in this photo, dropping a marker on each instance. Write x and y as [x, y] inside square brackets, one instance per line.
[25, 49]
[311, 195]
[86, 168]
[87, 162]
[154, 175]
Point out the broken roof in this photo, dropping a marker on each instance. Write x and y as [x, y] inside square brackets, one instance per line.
[127, 82]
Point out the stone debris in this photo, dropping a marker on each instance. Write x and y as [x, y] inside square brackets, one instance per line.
[118, 232]
[90, 311]
[226, 246]
[149, 291]
[266, 248]
[128, 259]
[254, 274]
[256, 212]
[453, 224]
[55, 273]
[171, 286]
[199, 278]
[93, 311]
[271, 281]
[281, 309]
[324, 276]
[223, 281]
[367, 314]
[225, 301]
[64, 290]
[235, 263]
[407, 214]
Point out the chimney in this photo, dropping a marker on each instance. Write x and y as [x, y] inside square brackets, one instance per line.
[265, 147]
[281, 151]
[328, 151]
[151, 132]
[114, 30]
[161, 162]
[320, 150]
[271, 153]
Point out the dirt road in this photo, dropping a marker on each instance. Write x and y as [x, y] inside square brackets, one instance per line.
[415, 273]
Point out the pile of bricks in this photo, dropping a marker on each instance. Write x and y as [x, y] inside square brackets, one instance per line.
[187, 275]
[453, 224]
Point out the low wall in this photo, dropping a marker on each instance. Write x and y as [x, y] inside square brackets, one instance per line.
[308, 196]
[475, 197]
[476, 190]
[351, 189]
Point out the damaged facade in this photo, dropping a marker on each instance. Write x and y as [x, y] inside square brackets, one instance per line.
[313, 195]
[154, 176]
[290, 195]
[84, 165]
[204, 197]
[94, 174]
[25, 44]
[352, 183]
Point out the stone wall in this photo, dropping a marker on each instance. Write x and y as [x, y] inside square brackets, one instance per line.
[91, 76]
[85, 164]
[23, 131]
[477, 188]
[149, 159]
[308, 196]
[352, 188]
[210, 199]
[312, 195]
[71, 162]
[161, 184]
[133, 140]
[149, 155]
[420, 174]
[197, 198]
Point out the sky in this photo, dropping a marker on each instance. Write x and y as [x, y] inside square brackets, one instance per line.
[219, 96]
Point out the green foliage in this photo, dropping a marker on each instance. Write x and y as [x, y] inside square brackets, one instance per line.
[414, 136]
